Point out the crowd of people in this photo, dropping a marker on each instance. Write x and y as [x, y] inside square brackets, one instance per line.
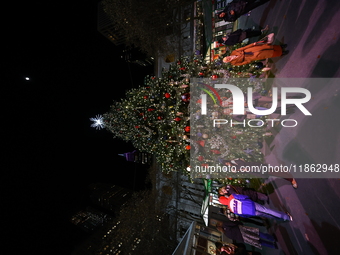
[256, 51]
[241, 203]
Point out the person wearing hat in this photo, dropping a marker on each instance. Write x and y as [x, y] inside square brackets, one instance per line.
[237, 8]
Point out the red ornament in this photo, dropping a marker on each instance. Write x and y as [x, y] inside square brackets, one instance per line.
[159, 117]
[167, 95]
[200, 74]
[136, 126]
[141, 114]
[234, 137]
[202, 143]
[182, 68]
[145, 97]
[187, 129]
[150, 109]
[187, 147]
[215, 151]
[177, 119]
[214, 77]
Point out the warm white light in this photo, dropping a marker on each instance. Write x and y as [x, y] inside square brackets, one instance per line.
[27, 78]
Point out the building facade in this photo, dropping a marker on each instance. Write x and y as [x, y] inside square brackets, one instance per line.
[109, 196]
[107, 29]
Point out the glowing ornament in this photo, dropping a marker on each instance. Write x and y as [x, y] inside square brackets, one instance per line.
[167, 95]
[186, 97]
[226, 111]
[225, 103]
[214, 114]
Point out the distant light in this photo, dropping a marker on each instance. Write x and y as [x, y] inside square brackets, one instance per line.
[27, 78]
[188, 169]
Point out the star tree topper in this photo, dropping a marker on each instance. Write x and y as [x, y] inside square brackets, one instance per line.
[98, 122]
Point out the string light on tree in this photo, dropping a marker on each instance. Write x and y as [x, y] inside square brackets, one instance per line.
[155, 117]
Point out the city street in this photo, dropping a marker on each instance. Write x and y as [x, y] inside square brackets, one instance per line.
[311, 31]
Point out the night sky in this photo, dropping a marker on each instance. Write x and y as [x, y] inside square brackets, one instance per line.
[51, 152]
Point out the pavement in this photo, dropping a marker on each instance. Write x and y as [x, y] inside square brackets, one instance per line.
[311, 30]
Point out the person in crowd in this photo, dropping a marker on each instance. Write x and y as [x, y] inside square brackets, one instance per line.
[245, 234]
[239, 35]
[237, 8]
[256, 51]
[233, 189]
[243, 206]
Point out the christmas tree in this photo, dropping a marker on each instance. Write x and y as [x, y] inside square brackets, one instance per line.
[156, 116]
